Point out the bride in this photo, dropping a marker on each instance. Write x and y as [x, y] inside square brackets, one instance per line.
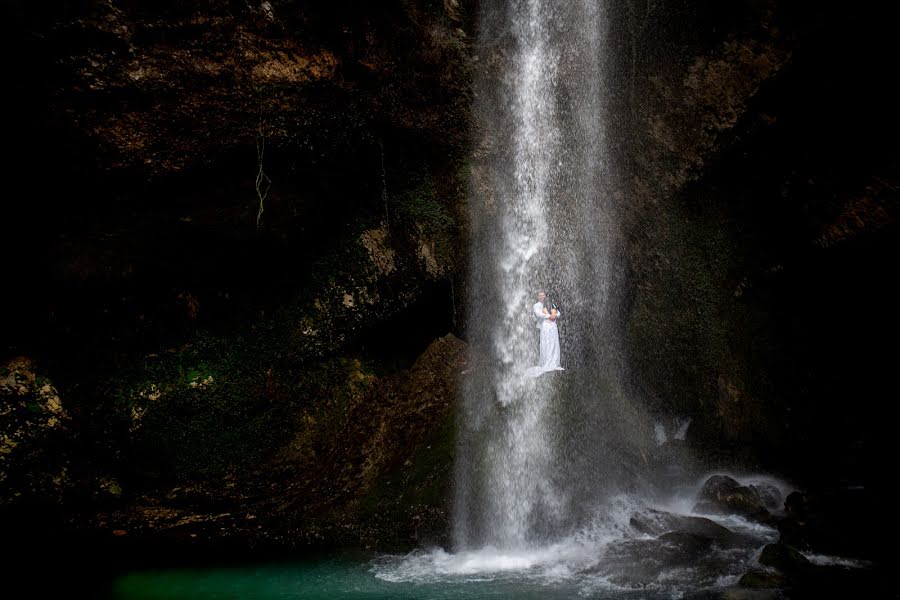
[546, 322]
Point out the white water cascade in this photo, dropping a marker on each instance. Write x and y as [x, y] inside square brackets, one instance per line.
[555, 476]
[534, 453]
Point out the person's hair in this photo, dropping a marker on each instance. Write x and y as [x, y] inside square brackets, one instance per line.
[539, 292]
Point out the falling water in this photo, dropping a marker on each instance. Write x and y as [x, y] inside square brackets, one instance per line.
[536, 456]
[552, 474]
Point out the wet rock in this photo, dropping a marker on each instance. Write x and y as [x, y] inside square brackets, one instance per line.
[749, 594]
[762, 580]
[785, 558]
[835, 522]
[687, 544]
[729, 413]
[770, 495]
[797, 504]
[635, 563]
[708, 508]
[809, 580]
[723, 495]
[681, 542]
[657, 523]
[795, 528]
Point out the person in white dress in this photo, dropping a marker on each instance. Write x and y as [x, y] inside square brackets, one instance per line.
[545, 319]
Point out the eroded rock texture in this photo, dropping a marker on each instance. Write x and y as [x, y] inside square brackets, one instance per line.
[238, 225]
[233, 228]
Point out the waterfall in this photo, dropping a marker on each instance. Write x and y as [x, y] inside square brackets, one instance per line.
[535, 457]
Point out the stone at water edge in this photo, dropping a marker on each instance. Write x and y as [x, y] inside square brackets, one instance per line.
[723, 495]
[657, 522]
[836, 522]
[784, 558]
[762, 580]
[769, 494]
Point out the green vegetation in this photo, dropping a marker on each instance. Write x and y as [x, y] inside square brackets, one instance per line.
[420, 203]
[218, 403]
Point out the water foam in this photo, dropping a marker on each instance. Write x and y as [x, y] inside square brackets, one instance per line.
[589, 558]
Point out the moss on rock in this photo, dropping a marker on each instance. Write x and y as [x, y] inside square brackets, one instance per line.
[34, 427]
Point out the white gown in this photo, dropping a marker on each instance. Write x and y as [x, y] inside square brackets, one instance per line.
[549, 358]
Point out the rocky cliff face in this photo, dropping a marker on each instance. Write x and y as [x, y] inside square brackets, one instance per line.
[186, 151]
[750, 142]
[236, 226]
[238, 221]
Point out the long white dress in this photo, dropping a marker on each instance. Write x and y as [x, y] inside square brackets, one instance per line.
[549, 357]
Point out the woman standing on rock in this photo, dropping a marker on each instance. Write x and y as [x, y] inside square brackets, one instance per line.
[546, 323]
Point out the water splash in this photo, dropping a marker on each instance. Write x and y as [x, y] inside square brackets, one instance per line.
[535, 457]
[606, 556]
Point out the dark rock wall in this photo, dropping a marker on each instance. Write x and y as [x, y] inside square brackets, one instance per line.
[138, 127]
[188, 337]
[761, 223]
[188, 330]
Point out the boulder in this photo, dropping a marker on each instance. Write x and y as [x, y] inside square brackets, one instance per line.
[762, 580]
[770, 495]
[640, 562]
[657, 523]
[686, 544]
[837, 521]
[785, 558]
[723, 495]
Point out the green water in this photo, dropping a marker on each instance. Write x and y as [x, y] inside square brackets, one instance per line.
[325, 580]
[347, 579]
[605, 560]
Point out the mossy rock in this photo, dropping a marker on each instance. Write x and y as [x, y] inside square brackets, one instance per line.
[35, 436]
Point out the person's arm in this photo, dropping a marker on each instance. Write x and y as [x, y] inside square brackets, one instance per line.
[541, 313]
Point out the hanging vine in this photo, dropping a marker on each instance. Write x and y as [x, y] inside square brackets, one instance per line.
[263, 183]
